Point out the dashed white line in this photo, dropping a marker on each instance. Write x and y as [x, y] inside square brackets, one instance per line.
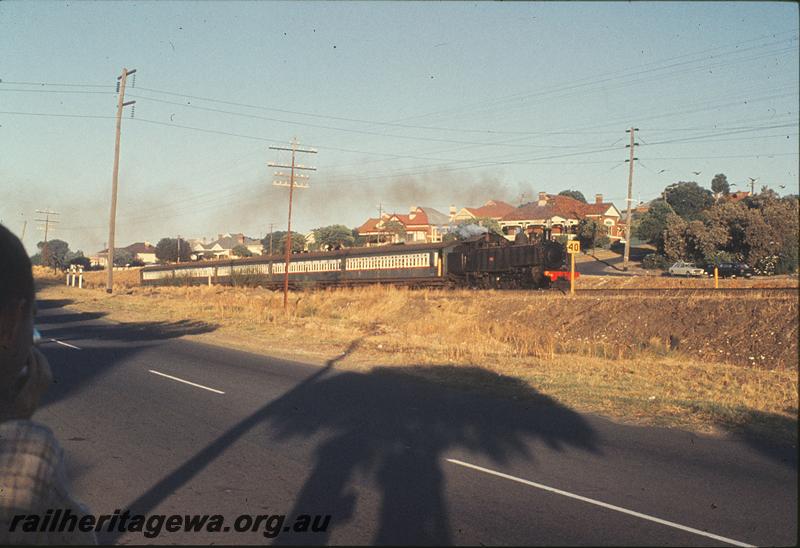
[65, 344]
[187, 382]
[603, 504]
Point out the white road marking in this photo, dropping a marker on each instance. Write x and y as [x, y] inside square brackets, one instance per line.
[65, 344]
[187, 382]
[603, 504]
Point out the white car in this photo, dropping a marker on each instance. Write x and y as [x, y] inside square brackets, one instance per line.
[685, 269]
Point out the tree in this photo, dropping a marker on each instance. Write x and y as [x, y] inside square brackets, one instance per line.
[591, 233]
[720, 186]
[81, 261]
[167, 250]
[241, 251]
[279, 242]
[650, 227]
[577, 194]
[333, 237]
[688, 199]
[122, 257]
[396, 228]
[674, 241]
[54, 253]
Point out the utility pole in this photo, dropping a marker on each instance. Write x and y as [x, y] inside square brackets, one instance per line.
[293, 167]
[24, 226]
[179, 248]
[628, 230]
[380, 211]
[115, 177]
[46, 228]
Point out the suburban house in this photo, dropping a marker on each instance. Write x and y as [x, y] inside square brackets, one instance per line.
[223, 246]
[493, 209]
[141, 251]
[421, 224]
[562, 215]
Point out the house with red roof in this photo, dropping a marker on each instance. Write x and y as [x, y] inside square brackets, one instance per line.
[562, 215]
[420, 225]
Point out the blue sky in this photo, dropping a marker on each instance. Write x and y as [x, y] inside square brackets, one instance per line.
[407, 104]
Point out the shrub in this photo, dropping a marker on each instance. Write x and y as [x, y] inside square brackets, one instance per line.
[654, 261]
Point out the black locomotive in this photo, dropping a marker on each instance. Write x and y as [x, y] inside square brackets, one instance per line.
[485, 261]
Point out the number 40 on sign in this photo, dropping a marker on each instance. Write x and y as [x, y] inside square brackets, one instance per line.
[573, 246]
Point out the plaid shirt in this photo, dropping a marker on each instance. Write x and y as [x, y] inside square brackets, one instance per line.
[33, 481]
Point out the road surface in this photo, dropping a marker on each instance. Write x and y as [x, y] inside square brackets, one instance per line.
[161, 425]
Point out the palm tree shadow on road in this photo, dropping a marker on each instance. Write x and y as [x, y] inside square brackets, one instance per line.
[396, 427]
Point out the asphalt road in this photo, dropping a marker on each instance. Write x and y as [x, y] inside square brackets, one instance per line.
[392, 459]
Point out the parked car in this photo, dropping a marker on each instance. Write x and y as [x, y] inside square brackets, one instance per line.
[685, 269]
[730, 270]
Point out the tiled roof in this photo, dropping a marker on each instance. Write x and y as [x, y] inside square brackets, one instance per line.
[140, 247]
[557, 206]
[492, 208]
[371, 225]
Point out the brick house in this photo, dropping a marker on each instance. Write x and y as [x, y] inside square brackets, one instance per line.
[420, 225]
[562, 214]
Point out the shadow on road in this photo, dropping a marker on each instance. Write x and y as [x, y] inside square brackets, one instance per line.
[75, 370]
[774, 436]
[395, 426]
[45, 304]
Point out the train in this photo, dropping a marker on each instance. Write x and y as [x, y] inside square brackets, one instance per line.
[485, 261]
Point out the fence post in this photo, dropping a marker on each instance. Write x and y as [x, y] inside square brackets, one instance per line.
[716, 277]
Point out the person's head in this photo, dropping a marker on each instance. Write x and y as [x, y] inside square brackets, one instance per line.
[16, 308]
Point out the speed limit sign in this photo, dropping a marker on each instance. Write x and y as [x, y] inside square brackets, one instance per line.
[573, 246]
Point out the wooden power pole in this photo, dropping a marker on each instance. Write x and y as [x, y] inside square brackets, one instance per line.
[46, 228]
[628, 230]
[115, 177]
[293, 167]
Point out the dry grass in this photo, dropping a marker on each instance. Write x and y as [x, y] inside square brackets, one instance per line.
[123, 278]
[643, 360]
[655, 280]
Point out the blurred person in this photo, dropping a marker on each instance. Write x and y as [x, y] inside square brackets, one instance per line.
[32, 472]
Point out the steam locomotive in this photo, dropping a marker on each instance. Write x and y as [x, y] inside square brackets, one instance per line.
[483, 261]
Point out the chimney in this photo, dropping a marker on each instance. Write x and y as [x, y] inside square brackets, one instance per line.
[542, 198]
[452, 212]
[240, 238]
[598, 198]
[219, 236]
